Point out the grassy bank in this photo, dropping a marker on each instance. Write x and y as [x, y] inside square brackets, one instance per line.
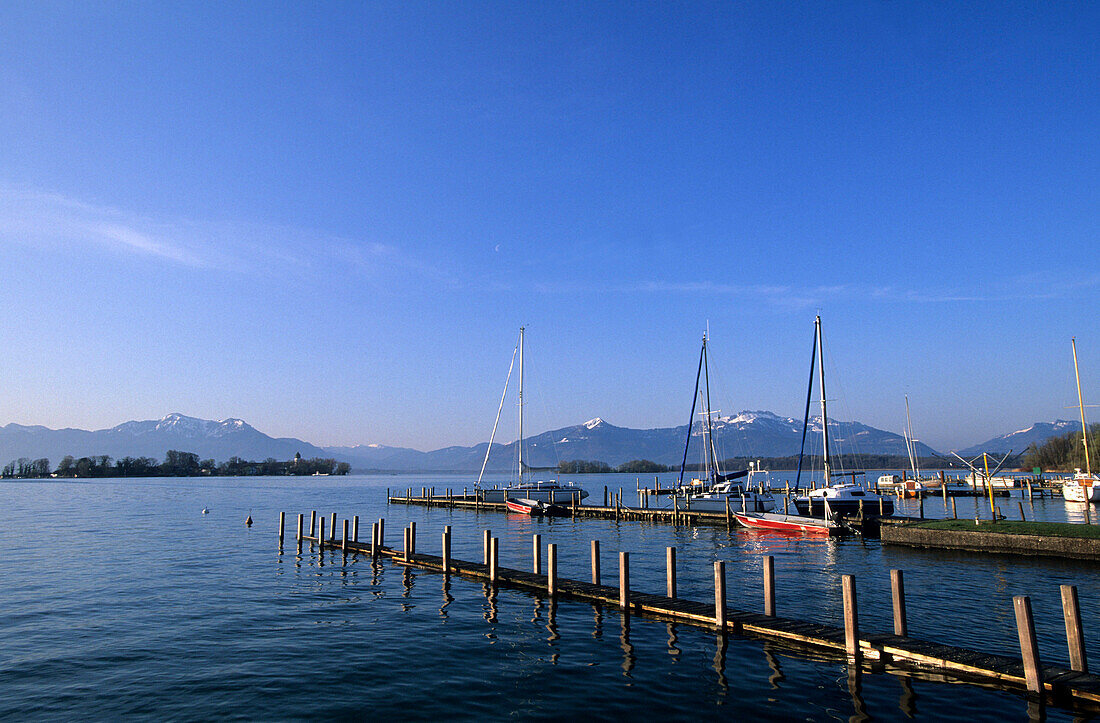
[1015, 527]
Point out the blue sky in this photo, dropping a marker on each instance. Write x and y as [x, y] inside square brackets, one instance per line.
[331, 219]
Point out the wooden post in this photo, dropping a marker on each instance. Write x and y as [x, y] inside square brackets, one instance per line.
[412, 537]
[624, 580]
[897, 592]
[551, 569]
[1029, 646]
[851, 619]
[406, 544]
[720, 595]
[769, 586]
[374, 540]
[954, 512]
[605, 495]
[299, 538]
[595, 562]
[920, 498]
[282, 527]
[381, 531]
[1029, 489]
[536, 552]
[729, 518]
[881, 507]
[494, 547]
[1020, 504]
[344, 544]
[447, 550]
[332, 527]
[321, 533]
[312, 522]
[670, 571]
[355, 528]
[485, 547]
[1075, 636]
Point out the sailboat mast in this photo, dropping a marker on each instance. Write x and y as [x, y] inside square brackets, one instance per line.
[1081, 405]
[824, 413]
[910, 446]
[711, 451]
[521, 404]
[691, 419]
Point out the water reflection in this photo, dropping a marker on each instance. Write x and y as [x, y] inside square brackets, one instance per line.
[407, 579]
[908, 700]
[597, 622]
[673, 641]
[629, 658]
[777, 676]
[720, 661]
[447, 597]
[552, 629]
[490, 592]
[855, 690]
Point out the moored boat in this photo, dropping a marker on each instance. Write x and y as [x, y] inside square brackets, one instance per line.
[775, 522]
[535, 508]
[1085, 486]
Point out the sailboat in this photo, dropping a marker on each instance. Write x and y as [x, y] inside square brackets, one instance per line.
[1085, 486]
[717, 492]
[840, 499]
[532, 498]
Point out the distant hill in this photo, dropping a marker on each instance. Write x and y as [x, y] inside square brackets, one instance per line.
[748, 434]
[152, 438]
[1019, 440]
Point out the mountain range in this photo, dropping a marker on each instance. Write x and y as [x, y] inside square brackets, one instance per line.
[747, 434]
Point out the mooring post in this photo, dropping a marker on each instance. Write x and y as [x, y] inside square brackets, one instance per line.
[720, 595]
[355, 528]
[920, 498]
[551, 569]
[381, 531]
[374, 540]
[1029, 646]
[670, 571]
[412, 537]
[1021, 506]
[282, 527]
[897, 593]
[494, 547]
[729, 518]
[605, 495]
[344, 544]
[954, 512]
[312, 523]
[447, 550]
[624, 580]
[299, 538]
[1075, 636]
[851, 619]
[536, 553]
[595, 562]
[406, 544]
[769, 586]
[485, 547]
[1029, 489]
[321, 533]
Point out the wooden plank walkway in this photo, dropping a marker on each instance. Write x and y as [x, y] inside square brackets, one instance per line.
[1063, 686]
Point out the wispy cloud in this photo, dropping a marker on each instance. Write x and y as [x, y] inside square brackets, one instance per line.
[29, 216]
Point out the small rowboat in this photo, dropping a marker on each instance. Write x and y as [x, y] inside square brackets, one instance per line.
[535, 508]
[786, 523]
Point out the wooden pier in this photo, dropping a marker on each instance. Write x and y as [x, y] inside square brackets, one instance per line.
[1074, 688]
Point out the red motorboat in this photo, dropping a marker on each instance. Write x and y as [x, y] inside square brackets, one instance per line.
[535, 508]
[786, 523]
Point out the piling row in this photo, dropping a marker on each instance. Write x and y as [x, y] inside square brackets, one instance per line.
[1075, 685]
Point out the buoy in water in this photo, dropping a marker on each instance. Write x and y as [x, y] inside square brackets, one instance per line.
[248, 521]
[206, 510]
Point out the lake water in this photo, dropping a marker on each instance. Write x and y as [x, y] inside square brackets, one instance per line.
[121, 600]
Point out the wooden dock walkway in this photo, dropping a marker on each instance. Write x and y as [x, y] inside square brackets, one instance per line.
[1072, 688]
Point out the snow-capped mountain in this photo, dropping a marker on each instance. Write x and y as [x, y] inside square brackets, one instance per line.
[1019, 440]
[152, 438]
